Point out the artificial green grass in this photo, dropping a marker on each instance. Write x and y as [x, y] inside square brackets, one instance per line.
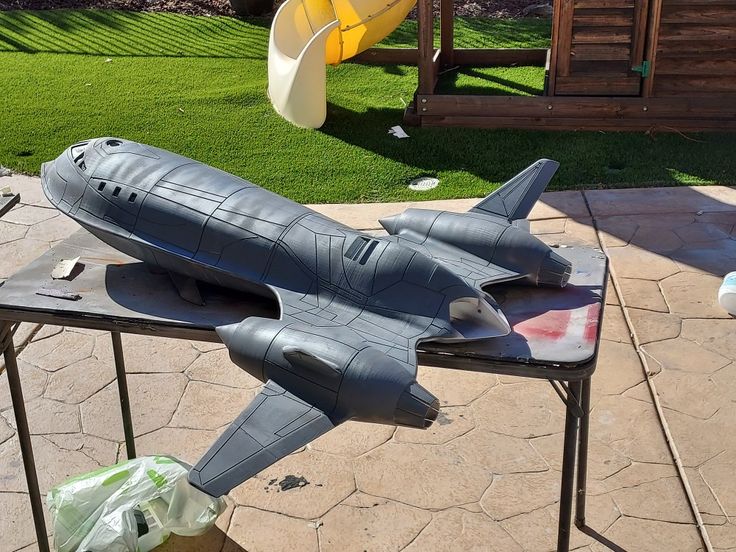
[496, 81]
[197, 86]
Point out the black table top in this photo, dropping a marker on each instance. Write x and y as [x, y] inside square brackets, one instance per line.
[555, 331]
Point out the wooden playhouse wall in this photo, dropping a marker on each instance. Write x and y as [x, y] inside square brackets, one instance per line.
[613, 65]
[595, 43]
[695, 52]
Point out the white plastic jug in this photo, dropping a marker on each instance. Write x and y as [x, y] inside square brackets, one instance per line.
[727, 293]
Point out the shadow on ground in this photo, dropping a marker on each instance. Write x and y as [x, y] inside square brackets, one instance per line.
[497, 81]
[480, 32]
[592, 533]
[690, 226]
[213, 540]
[588, 159]
[132, 34]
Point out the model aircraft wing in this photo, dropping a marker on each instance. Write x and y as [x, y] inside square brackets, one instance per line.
[475, 271]
[396, 339]
[274, 425]
[515, 199]
[386, 331]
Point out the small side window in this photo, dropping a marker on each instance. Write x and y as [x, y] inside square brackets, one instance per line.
[356, 247]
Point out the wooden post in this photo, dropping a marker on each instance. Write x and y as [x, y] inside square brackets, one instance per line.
[561, 42]
[655, 13]
[447, 33]
[426, 48]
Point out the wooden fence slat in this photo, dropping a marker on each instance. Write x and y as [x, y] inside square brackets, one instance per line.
[699, 2]
[606, 125]
[684, 85]
[694, 49]
[698, 66]
[601, 20]
[603, 4]
[571, 106]
[602, 52]
[600, 67]
[598, 85]
[601, 35]
[698, 14]
[673, 31]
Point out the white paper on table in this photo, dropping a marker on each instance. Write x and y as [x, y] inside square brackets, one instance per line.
[64, 268]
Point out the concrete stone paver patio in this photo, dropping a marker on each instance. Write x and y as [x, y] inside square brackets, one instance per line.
[486, 475]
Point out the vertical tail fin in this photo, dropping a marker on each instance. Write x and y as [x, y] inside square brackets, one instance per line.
[515, 199]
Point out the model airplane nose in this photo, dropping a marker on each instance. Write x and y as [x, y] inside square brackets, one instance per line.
[62, 179]
[52, 184]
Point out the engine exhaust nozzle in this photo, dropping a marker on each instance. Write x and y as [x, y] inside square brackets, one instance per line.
[554, 271]
[417, 407]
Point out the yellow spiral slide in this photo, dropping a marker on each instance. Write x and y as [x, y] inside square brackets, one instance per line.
[307, 34]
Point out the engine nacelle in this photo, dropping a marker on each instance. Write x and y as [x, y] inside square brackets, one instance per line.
[332, 369]
[487, 237]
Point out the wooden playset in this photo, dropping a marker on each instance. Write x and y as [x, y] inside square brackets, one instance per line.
[665, 65]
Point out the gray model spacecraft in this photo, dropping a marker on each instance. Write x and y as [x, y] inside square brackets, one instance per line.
[353, 305]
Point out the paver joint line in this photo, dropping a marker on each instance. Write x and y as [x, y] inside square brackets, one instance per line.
[653, 392]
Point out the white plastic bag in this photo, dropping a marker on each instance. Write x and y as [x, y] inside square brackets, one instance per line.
[130, 507]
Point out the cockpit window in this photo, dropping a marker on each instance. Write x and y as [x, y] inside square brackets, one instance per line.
[356, 247]
[361, 245]
[78, 155]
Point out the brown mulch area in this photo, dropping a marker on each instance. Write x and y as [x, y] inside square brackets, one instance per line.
[501, 9]
[189, 7]
[473, 8]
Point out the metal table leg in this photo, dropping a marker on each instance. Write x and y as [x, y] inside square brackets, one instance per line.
[582, 390]
[117, 349]
[582, 476]
[567, 486]
[24, 436]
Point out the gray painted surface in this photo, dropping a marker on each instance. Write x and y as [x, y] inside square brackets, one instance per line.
[353, 307]
[119, 293]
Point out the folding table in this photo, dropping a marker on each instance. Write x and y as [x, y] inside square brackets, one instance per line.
[556, 335]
